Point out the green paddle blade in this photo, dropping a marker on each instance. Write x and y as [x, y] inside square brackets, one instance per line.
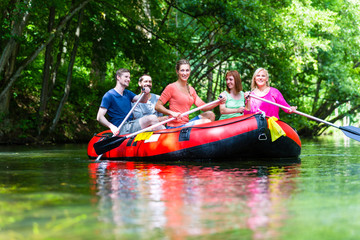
[351, 132]
[108, 144]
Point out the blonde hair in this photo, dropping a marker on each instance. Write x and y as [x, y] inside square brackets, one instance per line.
[253, 83]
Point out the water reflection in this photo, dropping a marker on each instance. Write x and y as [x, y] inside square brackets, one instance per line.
[178, 201]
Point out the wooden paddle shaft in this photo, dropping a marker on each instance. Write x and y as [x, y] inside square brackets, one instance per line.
[297, 112]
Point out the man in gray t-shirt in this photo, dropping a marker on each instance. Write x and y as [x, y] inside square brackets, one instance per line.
[148, 108]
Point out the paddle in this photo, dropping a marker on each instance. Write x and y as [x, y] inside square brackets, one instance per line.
[349, 131]
[115, 141]
[126, 118]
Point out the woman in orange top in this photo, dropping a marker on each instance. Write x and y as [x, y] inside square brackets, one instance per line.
[181, 97]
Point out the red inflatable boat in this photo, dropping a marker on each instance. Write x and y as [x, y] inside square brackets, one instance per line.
[240, 137]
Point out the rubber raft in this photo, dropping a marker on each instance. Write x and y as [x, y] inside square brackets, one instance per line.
[246, 136]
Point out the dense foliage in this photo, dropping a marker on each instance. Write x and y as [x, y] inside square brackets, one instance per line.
[59, 57]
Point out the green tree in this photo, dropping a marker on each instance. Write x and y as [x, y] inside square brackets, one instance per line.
[53, 79]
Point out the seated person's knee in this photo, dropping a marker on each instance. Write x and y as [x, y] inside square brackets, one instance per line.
[209, 115]
[150, 120]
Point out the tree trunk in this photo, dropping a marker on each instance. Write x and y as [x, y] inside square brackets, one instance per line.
[69, 75]
[218, 79]
[18, 28]
[8, 59]
[98, 63]
[5, 100]
[210, 76]
[55, 69]
[4, 106]
[31, 58]
[46, 72]
[316, 97]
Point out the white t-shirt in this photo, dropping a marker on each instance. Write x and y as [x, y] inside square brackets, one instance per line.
[148, 108]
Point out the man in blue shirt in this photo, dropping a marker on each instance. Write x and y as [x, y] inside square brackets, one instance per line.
[116, 103]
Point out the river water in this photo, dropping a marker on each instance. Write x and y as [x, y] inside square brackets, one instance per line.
[56, 192]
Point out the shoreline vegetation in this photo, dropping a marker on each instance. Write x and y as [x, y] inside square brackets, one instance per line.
[57, 59]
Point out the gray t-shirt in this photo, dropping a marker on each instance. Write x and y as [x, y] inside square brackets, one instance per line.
[148, 108]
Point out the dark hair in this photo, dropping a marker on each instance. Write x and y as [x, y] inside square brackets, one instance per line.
[121, 71]
[238, 84]
[144, 75]
[181, 62]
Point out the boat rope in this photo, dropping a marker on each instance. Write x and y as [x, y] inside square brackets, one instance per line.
[194, 127]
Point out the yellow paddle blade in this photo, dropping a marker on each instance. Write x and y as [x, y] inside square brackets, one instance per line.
[143, 136]
[275, 130]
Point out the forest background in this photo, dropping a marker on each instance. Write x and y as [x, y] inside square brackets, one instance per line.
[59, 57]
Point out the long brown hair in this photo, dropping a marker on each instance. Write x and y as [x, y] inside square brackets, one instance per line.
[177, 68]
[181, 62]
[238, 85]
